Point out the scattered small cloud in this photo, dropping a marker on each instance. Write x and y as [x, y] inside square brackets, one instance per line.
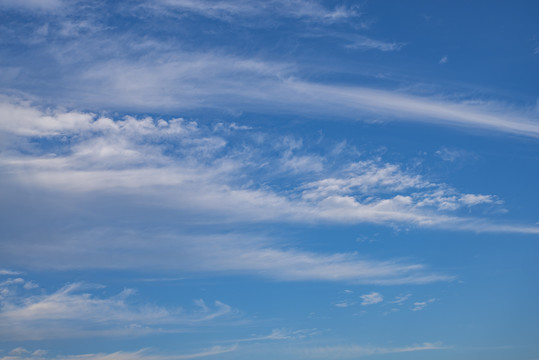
[372, 298]
[30, 285]
[23, 354]
[232, 10]
[443, 60]
[344, 304]
[390, 311]
[366, 43]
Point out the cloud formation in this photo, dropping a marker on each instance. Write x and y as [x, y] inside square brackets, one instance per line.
[183, 165]
[372, 298]
[355, 351]
[114, 171]
[230, 9]
[73, 311]
[21, 354]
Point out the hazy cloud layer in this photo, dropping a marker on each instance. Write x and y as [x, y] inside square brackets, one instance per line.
[76, 311]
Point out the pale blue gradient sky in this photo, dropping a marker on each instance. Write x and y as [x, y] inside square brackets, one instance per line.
[235, 179]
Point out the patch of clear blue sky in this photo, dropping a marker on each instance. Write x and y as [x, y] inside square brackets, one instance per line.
[284, 71]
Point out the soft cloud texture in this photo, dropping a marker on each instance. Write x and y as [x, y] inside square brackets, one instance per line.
[372, 298]
[21, 353]
[355, 351]
[73, 311]
[181, 165]
[229, 9]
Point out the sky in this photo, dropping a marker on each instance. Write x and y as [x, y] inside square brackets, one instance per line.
[301, 179]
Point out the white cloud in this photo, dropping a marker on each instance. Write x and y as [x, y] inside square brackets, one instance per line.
[224, 254]
[452, 155]
[400, 299]
[130, 159]
[344, 304]
[166, 77]
[372, 298]
[280, 334]
[230, 9]
[363, 42]
[128, 156]
[30, 285]
[12, 281]
[420, 305]
[8, 272]
[186, 81]
[19, 351]
[182, 170]
[476, 199]
[33, 4]
[355, 351]
[345, 101]
[443, 60]
[69, 312]
[120, 355]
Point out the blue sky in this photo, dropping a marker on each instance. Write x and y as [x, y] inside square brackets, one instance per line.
[231, 179]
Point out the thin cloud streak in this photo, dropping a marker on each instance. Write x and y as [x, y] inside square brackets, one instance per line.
[355, 351]
[21, 354]
[73, 311]
[230, 10]
[397, 105]
[225, 255]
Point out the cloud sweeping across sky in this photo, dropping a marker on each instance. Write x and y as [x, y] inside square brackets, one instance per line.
[74, 312]
[177, 163]
[238, 179]
[120, 69]
[22, 353]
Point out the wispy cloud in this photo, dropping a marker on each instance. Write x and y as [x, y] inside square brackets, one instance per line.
[33, 4]
[407, 107]
[131, 83]
[224, 254]
[344, 304]
[178, 167]
[420, 305]
[129, 155]
[452, 155]
[137, 72]
[364, 42]
[355, 351]
[21, 354]
[400, 299]
[8, 272]
[372, 298]
[73, 311]
[280, 334]
[230, 9]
